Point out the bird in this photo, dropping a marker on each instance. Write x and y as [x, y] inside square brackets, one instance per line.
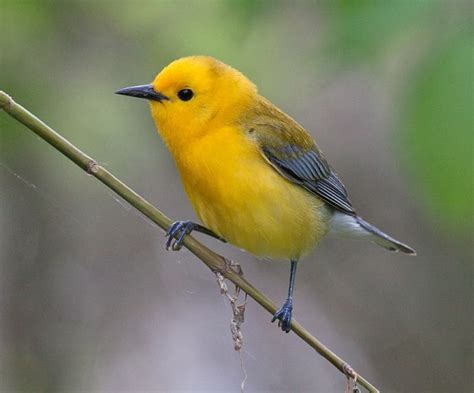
[254, 176]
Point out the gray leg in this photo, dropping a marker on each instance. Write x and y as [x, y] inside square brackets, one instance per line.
[284, 313]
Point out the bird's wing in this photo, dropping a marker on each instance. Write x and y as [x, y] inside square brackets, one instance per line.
[293, 153]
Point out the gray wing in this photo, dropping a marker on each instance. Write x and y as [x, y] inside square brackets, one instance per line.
[309, 169]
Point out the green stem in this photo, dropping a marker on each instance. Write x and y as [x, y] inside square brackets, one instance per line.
[214, 261]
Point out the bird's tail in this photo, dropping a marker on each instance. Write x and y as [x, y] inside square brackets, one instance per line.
[356, 227]
[383, 240]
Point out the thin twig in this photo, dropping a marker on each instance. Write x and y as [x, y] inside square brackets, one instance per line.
[215, 262]
[238, 315]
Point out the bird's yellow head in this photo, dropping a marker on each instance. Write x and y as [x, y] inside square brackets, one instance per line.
[191, 94]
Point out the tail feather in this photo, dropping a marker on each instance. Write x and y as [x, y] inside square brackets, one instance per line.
[383, 240]
[356, 227]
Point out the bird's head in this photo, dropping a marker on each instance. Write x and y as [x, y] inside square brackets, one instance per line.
[192, 94]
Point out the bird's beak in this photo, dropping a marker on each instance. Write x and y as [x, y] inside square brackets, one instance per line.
[142, 91]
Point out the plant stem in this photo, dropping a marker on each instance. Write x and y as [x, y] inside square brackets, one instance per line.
[215, 262]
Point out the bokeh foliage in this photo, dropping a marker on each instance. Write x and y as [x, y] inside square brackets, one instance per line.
[436, 113]
[439, 134]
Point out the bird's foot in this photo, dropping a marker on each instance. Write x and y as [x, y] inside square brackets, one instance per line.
[177, 232]
[179, 229]
[284, 315]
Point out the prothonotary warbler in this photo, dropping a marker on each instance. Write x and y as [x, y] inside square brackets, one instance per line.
[254, 176]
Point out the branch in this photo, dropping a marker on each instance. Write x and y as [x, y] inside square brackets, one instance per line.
[215, 262]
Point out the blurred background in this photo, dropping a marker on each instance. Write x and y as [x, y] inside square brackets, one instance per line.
[91, 301]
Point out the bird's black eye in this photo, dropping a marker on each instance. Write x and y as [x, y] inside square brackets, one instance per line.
[185, 94]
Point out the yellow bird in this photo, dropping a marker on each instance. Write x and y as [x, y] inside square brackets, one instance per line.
[254, 176]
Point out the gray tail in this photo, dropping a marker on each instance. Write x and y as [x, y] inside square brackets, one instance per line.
[384, 240]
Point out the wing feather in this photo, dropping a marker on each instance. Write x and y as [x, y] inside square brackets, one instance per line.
[294, 154]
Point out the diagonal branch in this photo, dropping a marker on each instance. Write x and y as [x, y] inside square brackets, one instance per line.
[215, 262]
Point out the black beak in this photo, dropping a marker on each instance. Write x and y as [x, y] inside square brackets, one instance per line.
[142, 91]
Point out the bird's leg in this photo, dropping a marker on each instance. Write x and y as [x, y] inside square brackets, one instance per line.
[178, 231]
[284, 313]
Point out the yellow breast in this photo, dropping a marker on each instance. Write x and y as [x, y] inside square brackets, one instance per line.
[239, 196]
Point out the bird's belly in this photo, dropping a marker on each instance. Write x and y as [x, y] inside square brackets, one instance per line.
[252, 206]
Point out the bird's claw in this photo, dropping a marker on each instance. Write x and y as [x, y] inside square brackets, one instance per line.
[176, 234]
[284, 315]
